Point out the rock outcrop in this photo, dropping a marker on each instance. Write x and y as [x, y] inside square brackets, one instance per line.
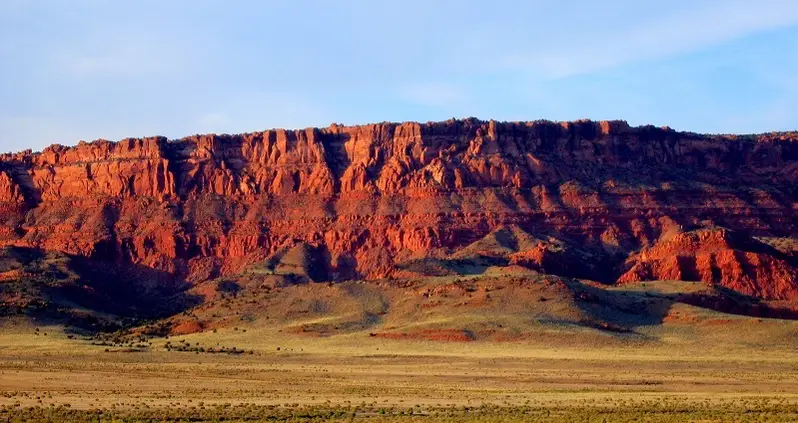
[720, 257]
[367, 197]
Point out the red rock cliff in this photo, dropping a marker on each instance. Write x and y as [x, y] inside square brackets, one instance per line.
[371, 196]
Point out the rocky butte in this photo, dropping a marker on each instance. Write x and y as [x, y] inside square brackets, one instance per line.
[595, 200]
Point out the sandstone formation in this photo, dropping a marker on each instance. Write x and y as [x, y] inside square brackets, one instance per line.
[364, 198]
[720, 257]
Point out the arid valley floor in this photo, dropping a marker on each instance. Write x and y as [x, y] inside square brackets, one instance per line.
[266, 372]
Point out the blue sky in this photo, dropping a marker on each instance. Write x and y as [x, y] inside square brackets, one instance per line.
[87, 69]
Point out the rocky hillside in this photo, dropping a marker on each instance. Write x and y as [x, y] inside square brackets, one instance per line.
[595, 200]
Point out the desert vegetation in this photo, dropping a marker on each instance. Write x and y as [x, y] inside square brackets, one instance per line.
[659, 413]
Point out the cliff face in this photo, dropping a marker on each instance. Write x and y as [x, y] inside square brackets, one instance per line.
[368, 197]
[720, 257]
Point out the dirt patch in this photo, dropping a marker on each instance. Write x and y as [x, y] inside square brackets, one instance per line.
[187, 327]
[453, 335]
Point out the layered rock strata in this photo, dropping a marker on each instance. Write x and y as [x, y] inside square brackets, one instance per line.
[369, 197]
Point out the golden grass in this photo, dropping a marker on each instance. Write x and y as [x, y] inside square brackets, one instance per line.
[328, 378]
[694, 365]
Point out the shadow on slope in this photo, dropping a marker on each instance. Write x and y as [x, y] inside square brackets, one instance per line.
[302, 263]
[54, 287]
[513, 245]
[506, 303]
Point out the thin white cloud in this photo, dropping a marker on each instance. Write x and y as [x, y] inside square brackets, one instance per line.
[660, 34]
[131, 54]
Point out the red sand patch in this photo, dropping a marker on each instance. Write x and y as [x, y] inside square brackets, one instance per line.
[680, 318]
[187, 327]
[453, 335]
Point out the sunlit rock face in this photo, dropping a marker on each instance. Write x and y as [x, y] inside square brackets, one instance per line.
[365, 198]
